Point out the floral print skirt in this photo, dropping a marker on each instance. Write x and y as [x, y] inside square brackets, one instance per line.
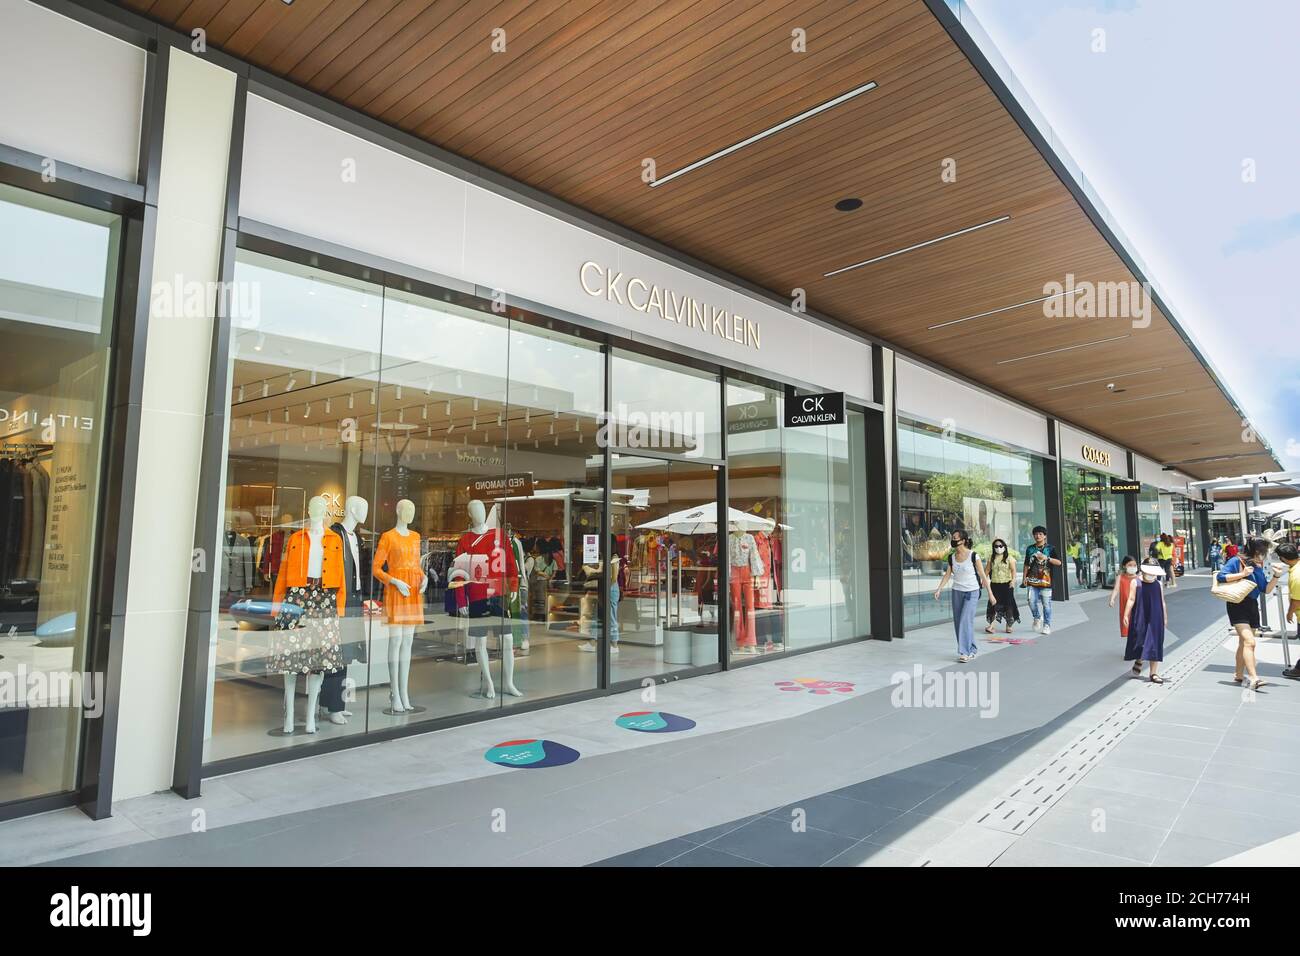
[306, 635]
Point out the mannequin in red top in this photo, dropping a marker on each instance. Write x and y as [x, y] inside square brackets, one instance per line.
[485, 567]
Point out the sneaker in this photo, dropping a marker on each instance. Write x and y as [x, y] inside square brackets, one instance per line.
[613, 650]
[1038, 626]
[1046, 630]
[1292, 674]
[588, 646]
[963, 659]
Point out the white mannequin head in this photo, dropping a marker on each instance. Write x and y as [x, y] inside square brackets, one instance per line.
[357, 509]
[316, 510]
[405, 511]
[477, 514]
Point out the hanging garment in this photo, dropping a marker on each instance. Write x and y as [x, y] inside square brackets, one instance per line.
[272, 554]
[306, 635]
[293, 569]
[397, 558]
[763, 582]
[37, 506]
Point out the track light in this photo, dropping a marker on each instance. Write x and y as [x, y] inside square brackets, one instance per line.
[919, 245]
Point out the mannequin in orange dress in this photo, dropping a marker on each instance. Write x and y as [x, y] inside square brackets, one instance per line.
[397, 565]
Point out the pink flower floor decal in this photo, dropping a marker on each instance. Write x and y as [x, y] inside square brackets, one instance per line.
[814, 686]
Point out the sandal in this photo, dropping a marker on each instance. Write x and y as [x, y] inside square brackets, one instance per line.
[1136, 670]
[989, 629]
[1259, 682]
[1157, 679]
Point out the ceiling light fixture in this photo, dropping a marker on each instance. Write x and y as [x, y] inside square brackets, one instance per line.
[771, 130]
[1066, 348]
[1006, 308]
[919, 245]
[1130, 401]
[849, 204]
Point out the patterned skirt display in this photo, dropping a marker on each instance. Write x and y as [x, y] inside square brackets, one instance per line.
[306, 635]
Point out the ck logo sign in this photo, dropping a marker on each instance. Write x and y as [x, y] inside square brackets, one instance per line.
[824, 409]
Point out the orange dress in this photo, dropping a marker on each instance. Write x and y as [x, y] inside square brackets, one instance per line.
[398, 559]
[1125, 586]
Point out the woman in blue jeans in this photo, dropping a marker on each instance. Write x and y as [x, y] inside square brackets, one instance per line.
[968, 575]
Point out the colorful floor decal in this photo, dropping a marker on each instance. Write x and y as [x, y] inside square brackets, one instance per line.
[654, 722]
[531, 754]
[814, 686]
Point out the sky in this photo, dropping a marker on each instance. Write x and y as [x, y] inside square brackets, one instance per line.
[1167, 121]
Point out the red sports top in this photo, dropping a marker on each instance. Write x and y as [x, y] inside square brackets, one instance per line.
[490, 565]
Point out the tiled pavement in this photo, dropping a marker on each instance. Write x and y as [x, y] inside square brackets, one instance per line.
[772, 778]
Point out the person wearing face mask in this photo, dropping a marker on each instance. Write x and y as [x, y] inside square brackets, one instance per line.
[1128, 569]
[1244, 616]
[1002, 588]
[967, 574]
[1144, 619]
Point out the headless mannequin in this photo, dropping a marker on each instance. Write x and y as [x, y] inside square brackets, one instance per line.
[355, 512]
[478, 524]
[315, 558]
[401, 636]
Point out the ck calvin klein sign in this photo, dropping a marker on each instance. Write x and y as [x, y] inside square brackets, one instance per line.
[824, 409]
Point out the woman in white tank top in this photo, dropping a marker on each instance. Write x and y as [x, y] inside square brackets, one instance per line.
[967, 574]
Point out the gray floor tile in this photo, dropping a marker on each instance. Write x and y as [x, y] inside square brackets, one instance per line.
[777, 844]
[650, 855]
[709, 857]
[839, 815]
[1184, 849]
[1028, 851]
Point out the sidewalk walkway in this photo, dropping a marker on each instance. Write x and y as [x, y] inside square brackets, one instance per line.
[875, 783]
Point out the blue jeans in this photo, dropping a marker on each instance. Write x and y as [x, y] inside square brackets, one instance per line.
[964, 604]
[614, 595]
[1040, 604]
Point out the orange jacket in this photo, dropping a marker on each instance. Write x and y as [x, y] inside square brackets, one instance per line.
[293, 568]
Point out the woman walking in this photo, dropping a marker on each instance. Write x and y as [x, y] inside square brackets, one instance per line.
[1144, 621]
[1002, 588]
[1244, 616]
[967, 574]
[1124, 581]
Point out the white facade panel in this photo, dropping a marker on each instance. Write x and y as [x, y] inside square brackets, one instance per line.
[1091, 451]
[310, 178]
[82, 91]
[929, 395]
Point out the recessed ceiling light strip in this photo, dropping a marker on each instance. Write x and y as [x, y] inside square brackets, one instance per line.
[1108, 378]
[807, 114]
[1007, 308]
[1129, 401]
[1067, 348]
[919, 245]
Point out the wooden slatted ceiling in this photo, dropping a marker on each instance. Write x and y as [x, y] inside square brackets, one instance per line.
[588, 89]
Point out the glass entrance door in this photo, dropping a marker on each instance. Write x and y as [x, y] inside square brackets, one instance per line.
[663, 605]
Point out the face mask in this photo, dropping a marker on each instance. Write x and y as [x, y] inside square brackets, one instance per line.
[1130, 570]
[999, 550]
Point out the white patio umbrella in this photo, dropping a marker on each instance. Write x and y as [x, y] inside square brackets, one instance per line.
[704, 520]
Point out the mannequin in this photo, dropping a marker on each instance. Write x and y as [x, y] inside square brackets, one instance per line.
[745, 566]
[404, 583]
[309, 578]
[487, 561]
[356, 588]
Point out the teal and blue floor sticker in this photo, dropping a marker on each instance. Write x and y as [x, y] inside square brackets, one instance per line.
[654, 722]
[531, 754]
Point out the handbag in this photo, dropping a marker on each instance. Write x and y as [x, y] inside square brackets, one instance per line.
[1233, 592]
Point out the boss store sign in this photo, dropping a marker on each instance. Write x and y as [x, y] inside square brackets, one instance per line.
[824, 409]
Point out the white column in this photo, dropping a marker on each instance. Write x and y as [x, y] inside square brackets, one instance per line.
[187, 251]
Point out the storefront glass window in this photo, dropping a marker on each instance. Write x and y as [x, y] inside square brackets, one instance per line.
[950, 482]
[1148, 509]
[58, 278]
[1096, 528]
[414, 492]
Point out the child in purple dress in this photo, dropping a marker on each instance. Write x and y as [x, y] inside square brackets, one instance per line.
[1144, 617]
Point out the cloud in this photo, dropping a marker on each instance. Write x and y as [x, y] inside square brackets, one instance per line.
[1260, 234]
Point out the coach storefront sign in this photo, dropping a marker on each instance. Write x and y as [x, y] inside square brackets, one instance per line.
[1124, 486]
[669, 305]
[504, 486]
[1097, 456]
[824, 409]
